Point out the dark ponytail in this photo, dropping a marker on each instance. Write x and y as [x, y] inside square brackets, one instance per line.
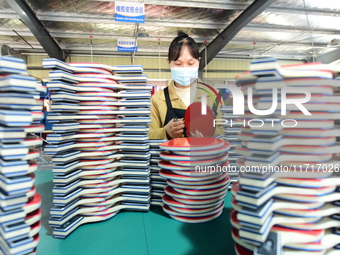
[182, 35]
[177, 44]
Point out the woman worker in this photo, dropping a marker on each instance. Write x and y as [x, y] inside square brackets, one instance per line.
[168, 106]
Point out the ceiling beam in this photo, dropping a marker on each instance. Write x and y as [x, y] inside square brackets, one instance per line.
[230, 31]
[38, 29]
[231, 5]
[105, 36]
[112, 48]
[9, 14]
[302, 11]
[289, 29]
[328, 57]
[225, 5]
[222, 5]
[107, 19]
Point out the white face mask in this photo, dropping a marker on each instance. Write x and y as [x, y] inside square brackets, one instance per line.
[184, 76]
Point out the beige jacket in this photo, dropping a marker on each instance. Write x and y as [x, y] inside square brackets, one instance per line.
[159, 110]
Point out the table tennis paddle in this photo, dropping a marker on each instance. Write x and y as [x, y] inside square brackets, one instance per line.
[53, 63]
[96, 174]
[209, 152]
[196, 121]
[243, 248]
[156, 201]
[185, 204]
[173, 157]
[208, 162]
[274, 190]
[118, 68]
[90, 211]
[289, 238]
[222, 185]
[197, 219]
[75, 222]
[12, 65]
[280, 158]
[274, 128]
[167, 174]
[27, 244]
[198, 183]
[208, 185]
[60, 211]
[60, 189]
[10, 82]
[264, 179]
[263, 231]
[192, 213]
[274, 143]
[100, 192]
[21, 212]
[185, 169]
[260, 214]
[18, 184]
[29, 227]
[64, 230]
[62, 169]
[72, 78]
[195, 199]
[192, 144]
[327, 241]
[158, 183]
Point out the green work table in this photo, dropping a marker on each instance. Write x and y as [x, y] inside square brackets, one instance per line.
[135, 233]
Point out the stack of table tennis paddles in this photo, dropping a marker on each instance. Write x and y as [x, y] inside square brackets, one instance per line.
[231, 129]
[197, 184]
[157, 182]
[295, 196]
[100, 145]
[20, 115]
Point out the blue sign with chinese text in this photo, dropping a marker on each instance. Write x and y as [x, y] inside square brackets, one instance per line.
[127, 45]
[130, 12]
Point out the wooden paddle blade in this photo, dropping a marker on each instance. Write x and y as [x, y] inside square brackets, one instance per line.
[195, 121]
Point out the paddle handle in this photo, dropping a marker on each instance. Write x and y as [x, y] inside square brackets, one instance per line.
[272, 245]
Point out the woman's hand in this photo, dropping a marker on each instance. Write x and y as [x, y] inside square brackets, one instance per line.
[174, 129]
